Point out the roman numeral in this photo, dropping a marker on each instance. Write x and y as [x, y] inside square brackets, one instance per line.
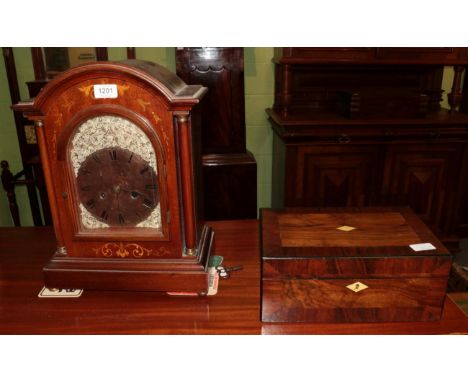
[113, 154]
[148, 203]
[104, 215]
[121, 219]
[96, 158]
[90, 203]
[144, 170]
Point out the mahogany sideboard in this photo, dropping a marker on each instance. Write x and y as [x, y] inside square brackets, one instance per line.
[234, 310]
[361, 127]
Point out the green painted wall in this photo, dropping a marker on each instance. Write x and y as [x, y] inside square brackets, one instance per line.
[9, 146]
[116, 54]
[259, 87]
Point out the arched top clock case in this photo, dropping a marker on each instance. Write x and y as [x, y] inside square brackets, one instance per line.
[119, 145]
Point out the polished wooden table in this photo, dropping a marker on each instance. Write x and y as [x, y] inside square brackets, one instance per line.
[234, 310]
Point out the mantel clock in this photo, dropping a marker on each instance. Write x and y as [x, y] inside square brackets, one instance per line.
[119, 144]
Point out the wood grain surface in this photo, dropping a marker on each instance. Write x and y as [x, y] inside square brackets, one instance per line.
[234, 310]
[309, 266]
[312, 232]
[368, 229]
[418, 299]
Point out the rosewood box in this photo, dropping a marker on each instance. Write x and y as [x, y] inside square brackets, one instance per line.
[350, 265]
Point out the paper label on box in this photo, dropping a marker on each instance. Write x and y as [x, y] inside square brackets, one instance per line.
[422, 247]
[105, 91]
[213, 280]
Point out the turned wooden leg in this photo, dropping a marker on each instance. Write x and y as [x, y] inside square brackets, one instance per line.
[9, 186]
[455, 97]
[286, 94]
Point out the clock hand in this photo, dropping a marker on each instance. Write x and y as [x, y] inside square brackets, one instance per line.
[133, 194]
[118, 201]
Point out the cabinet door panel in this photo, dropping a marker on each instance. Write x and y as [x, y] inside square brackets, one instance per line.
[425, 177]
[335, 176]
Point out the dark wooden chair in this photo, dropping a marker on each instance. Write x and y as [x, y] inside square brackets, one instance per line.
[9, 181]
[31, 177]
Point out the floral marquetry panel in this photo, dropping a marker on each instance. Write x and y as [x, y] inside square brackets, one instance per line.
[128, 250]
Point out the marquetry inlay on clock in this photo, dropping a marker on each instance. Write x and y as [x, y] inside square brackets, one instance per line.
[120, 146]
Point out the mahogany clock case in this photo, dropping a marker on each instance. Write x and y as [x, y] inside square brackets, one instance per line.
[121, 175]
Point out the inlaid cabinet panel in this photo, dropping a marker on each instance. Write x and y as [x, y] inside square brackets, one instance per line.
[335, 176]
[425, 177]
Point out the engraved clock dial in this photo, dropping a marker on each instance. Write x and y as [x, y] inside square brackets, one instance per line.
[117, 186]
[115, 169]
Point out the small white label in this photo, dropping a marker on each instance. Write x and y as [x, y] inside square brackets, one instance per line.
[51, 293]
[105, 91]
[422, 247]
[213, 280]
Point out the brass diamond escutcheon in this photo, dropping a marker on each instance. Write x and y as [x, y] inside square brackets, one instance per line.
[345, 228]
[357, 286]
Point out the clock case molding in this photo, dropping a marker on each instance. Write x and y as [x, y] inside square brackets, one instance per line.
[165, 108]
